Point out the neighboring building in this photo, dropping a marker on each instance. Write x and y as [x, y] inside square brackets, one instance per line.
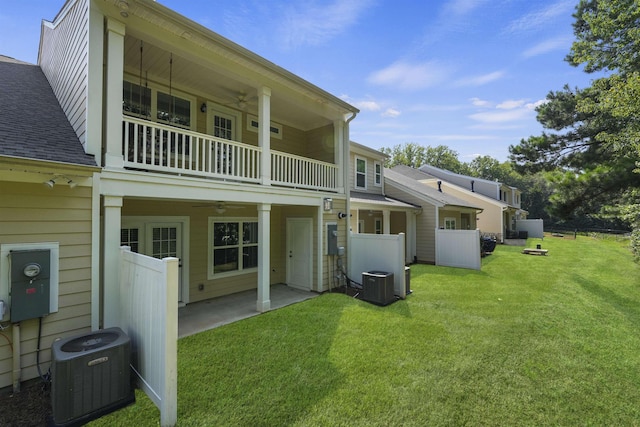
[501, 203]
[48, 202]
[440, 208]
[208, 153]
[372, 211]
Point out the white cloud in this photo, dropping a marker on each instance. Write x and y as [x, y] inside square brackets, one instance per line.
[501, 116]
[409, 76]
[510, 104]
[538, 19]
[391, 112]
[313, 23]
[368, 105]
[477, 102]
[558, 43]
[480, 80]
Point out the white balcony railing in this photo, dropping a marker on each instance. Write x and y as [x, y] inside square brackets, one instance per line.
[295, 171]
[152, 146]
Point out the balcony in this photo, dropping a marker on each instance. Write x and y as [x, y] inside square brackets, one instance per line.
[165, 149]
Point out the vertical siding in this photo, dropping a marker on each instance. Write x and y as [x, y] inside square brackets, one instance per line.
[64, 61]
[31, 213]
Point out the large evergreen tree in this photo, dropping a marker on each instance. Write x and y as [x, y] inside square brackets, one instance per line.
[592, 140]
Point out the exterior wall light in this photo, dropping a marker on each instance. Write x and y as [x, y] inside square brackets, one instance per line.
[328, 203]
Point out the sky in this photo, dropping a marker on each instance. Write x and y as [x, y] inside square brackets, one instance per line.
[466, 74]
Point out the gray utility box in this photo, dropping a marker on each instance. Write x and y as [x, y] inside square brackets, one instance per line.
[377, 287]
[30, 284]
[90, 376]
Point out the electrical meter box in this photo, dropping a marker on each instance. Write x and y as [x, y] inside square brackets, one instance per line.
[332, 239]
[30, 284]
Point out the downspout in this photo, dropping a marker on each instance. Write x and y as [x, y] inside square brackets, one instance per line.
[347, 189]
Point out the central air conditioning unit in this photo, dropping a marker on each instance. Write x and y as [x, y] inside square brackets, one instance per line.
[377, 287]
[90, 376]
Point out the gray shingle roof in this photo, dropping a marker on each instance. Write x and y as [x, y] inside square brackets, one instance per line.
[409, 178]
[32, 123]
[379, 199]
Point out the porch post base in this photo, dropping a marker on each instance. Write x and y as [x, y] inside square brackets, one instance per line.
[263, 306]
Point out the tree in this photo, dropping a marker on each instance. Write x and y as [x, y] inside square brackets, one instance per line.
[414, 155]
[591, 142]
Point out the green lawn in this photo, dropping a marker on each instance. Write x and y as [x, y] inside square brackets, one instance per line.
[528, 340]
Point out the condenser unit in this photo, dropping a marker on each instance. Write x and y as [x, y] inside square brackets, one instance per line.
[90, 376]
[377, 287]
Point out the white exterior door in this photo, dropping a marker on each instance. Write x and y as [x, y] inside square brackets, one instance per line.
[300, 253]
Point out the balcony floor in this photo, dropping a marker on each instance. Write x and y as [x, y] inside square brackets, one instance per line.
[209, 314]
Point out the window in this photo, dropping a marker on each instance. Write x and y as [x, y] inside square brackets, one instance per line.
[361, 173]
[130, 237]
[136, 100]
[223, 127]
[152, 101]
[378, 174]
[378, 225]
[234, 246]
[449, 223]
[173, 110]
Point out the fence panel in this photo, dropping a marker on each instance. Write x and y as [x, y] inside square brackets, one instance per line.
[458, 248]
[533, 227]
[149, 298]
[379, 252]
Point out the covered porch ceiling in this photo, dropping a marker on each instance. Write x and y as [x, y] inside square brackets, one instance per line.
[217, 79]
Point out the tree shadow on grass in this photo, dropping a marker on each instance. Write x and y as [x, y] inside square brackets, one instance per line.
[628, 307]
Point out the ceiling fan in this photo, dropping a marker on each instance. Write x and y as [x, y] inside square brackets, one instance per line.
[220, 207]
[242, 100]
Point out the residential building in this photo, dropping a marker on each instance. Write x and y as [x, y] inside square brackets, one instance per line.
[208, 153]
[440, 208]
[49, 223]
[372, 210]
[501, 203]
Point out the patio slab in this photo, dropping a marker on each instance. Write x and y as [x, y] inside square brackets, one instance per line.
[209, 314]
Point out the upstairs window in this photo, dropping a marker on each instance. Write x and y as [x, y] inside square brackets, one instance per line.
[377, 174]
[174, 110]
[361, 173]
[136, 100]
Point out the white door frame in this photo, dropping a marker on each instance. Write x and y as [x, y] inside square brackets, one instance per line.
[309, 236]
[144, 222]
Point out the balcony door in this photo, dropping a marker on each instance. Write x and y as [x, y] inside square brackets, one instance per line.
[224, 122]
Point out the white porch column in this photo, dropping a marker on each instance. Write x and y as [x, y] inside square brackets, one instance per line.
[264, 257]
[410, 235]
[386, 221]
[111, 254]
[264, 133]
[338, 152]
[113, 94]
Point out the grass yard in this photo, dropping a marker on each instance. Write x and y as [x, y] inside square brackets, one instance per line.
[529, 340]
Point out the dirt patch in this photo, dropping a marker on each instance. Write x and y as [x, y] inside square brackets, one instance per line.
[31, 406]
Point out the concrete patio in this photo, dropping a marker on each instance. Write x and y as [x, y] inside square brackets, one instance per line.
[209, 314]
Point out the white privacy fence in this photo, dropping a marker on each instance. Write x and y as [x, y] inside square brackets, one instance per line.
[149, 308]
[378, 252]
[458, 248]
[533, 227]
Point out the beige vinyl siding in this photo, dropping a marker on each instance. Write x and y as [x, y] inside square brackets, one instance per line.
[398, 222]
[425, 224]
[490, 219]
[371, 187]
[32, 213]
[64, 61]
